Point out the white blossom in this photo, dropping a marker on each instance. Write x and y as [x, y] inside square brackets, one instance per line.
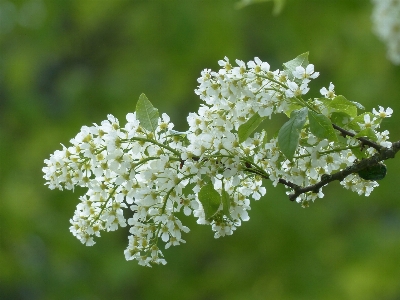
[138, 178]
[328, 93]
[382, 113]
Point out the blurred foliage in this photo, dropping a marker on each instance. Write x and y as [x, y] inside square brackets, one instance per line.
[278, 4]
[68, 63]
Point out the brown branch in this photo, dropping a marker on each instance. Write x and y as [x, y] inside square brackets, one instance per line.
[385, 153]
[289, 184]
[363, 140]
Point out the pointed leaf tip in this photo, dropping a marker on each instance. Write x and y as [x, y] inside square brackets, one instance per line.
[146, 113]
[321, 126]
[290, 66]
[289, 134]
[210, 200]
[246, 129]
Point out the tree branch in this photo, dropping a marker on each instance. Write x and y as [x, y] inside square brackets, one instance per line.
[384, 154]
[363, 140]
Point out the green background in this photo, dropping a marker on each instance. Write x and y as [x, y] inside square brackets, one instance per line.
[68, 63]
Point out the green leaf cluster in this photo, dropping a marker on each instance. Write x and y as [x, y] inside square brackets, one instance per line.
[319, 117]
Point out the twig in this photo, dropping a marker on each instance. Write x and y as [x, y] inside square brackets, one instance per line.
[363, 140]
[385, 153]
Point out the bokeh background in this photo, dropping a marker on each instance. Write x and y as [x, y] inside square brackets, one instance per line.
[68, 63]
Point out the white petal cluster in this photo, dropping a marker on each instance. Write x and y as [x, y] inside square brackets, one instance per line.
[143, 179]
[124, 168]
[386, 21]
[235, 93]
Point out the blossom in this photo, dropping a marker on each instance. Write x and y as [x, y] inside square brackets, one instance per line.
[368, 122]
[138, 178]
[328, 93]
[295, 90]
[305, 73]
[225, 64]
[382, 113]
[258, 65]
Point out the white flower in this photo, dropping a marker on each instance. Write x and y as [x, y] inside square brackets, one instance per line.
[296, 90]
[225, 64]
[258, 65]
[305, 74]
[382, 113]
[383, 139]
[368, 123]
[239, 71]
[328, 93]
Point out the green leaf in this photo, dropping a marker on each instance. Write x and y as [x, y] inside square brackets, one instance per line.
[290, 66]
[341, 104]
[292, 107]
[340, 118]
[226, 204]
[321, 126]
[374, 172]
[146, 113]
[288, 136]
[368, 133]
[359, 105]
[360, 154]
[325, 102]
[210, 199]
[247, 128]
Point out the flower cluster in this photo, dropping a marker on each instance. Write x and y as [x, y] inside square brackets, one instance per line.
[386, 20]
[144, 174]
[124, 167]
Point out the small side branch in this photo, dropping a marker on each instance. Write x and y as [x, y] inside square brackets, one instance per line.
[384, 154]
[363, 140]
